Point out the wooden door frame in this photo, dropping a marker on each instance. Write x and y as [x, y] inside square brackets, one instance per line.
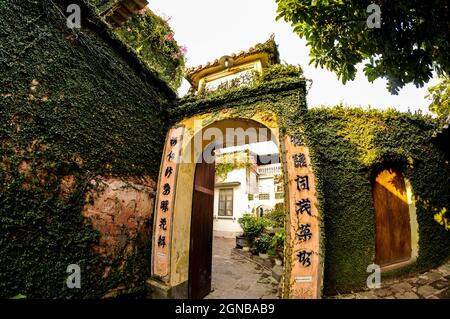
[189, 281]
[414, 237]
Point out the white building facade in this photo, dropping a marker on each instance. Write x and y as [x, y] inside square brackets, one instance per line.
[246, 189]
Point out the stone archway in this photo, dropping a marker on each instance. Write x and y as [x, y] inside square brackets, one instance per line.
[184, 143]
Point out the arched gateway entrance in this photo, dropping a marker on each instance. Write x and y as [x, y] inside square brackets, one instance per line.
[182, 244]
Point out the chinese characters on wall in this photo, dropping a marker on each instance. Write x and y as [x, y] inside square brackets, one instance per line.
[305, 277]
[165, 200]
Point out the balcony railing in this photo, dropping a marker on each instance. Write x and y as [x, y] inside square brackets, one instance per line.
[272, 169]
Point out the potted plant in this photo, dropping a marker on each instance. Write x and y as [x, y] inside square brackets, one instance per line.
[252, 227]
[276, 216]
[263, 244]
[242, 242]
[277, 246]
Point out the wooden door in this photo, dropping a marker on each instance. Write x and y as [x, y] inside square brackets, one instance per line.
[200, 254]
[393, 230]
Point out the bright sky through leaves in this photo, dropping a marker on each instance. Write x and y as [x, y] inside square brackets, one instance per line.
[212, 28]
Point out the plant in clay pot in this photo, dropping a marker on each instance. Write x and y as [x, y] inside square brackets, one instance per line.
[263, 244]
[253, 227]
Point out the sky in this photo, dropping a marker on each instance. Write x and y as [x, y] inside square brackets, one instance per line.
[213, 28]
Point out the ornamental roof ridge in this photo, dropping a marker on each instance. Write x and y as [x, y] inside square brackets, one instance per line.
[269, 47]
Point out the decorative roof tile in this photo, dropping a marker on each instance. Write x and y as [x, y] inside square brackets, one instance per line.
[269, 47]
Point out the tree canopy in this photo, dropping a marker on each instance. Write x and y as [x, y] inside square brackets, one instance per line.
[411, 42]
[440, 98]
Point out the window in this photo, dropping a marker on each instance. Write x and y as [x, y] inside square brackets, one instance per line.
[226, 202]
[279, 195]
[264, 196]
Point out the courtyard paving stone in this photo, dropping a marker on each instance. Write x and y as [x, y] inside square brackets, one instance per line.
[433, 284]
[237, 277]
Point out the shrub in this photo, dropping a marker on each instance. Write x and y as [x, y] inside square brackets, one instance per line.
[276, 215]
[277, 243]
[280, 71]
[252, 226]
[153, 40]
[263, 243]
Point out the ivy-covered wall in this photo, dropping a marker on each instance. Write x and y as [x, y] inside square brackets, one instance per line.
[80, 104]
[348, 147]
[151, 37]
[77, 104]
[280, 89]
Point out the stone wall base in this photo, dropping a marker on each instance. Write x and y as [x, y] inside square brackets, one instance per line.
[160, 290]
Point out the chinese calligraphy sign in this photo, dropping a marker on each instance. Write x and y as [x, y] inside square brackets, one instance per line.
[304, 235]
[302, 182]
[165, 199]
[303, 205]
[304, 258]
[299, 160]
[304, 232]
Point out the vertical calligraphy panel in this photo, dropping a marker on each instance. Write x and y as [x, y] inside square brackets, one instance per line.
[304, 226]
[165, 202]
